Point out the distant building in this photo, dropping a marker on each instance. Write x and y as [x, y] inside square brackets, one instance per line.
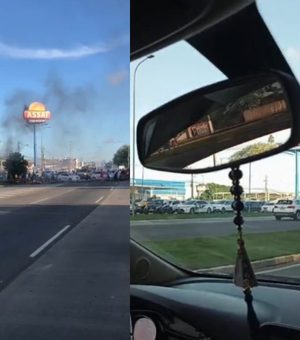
[69, 164]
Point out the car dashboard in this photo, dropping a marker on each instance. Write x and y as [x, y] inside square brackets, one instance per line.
[215, 309]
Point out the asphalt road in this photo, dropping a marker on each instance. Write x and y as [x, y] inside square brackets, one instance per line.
[171, 230]
[31, 215]
[36, 219]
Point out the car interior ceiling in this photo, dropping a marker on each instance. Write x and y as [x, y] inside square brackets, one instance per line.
[187, 305]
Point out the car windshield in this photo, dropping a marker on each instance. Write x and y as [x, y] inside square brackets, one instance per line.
[285, 202]
[156, 202]
[204, 236]
[190, 203]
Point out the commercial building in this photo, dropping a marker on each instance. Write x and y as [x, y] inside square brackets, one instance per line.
[165, 189]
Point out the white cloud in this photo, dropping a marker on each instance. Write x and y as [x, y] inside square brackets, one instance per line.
[55, 53]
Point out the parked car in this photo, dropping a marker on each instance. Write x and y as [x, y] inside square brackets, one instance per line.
[204, 207]
[223, 206]
[122, 175]
[287, 208]
[96, 175]
[110, 175]
[137, 208]
[268, 207]
[154, 206]
[189, 207]
[83, 175]
[170, 207]
[252, 206]
[65, 177]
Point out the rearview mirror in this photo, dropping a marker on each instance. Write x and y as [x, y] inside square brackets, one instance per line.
[223, 125]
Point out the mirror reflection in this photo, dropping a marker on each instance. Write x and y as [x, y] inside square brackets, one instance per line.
[231, 124]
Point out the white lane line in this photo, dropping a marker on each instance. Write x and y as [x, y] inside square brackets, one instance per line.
[111, 188]
[49, 241]
[43, 199]
[99, 200]
[48, 198]
[278, 269]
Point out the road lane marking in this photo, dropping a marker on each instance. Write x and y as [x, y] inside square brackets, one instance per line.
[111, 188]
[48, 198]
[278, 269]
[99, 200]
[49, 241]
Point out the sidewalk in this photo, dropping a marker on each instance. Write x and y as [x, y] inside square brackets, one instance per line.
[79, 288]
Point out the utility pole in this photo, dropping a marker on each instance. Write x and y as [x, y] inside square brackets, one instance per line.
[71, 162]
[42, 159]
[19, 146]
[192, 185]
[266, 188]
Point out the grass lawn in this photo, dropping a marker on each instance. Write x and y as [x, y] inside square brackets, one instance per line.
[207, 252]
[140, 217]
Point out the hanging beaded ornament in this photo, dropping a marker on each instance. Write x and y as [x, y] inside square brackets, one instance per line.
[244, 275]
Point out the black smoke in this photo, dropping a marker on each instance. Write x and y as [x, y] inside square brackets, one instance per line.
[70, 106]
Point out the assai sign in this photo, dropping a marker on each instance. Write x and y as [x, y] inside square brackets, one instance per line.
[36, 113]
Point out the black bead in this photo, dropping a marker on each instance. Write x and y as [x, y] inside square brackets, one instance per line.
[235, 174]
[237, 205]
[236, 190]
[238, 220]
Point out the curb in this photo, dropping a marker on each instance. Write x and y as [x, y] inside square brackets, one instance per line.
[198, 220]
[262, 264]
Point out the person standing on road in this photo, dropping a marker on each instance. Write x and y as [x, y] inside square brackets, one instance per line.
[102, 175]
[116, 176]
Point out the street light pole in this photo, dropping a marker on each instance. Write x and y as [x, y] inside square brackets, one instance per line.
[133, 131]
[297, 175]
[296, 153]
[143, 181]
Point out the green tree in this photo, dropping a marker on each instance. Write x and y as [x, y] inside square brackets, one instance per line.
[214, 188]
[207, 195]
[16, 165]
[121, 157]
[252, 150]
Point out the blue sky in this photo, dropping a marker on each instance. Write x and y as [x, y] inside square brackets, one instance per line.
[178, 69]
[73, 56]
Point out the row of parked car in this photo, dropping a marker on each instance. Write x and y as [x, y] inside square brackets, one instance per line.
[159, 206]
[82, 175]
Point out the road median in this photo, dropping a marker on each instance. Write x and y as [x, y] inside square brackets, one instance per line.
[218, 254]
[168, 217]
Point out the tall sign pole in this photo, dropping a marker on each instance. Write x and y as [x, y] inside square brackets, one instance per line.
[34, 114]
[34, 146]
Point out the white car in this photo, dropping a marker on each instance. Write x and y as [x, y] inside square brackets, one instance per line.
[189, 207]
[96, 175]
[66, 177]
[204, 207]
[173, 205]
[223, 206]
[287, 208]
[268, 207]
